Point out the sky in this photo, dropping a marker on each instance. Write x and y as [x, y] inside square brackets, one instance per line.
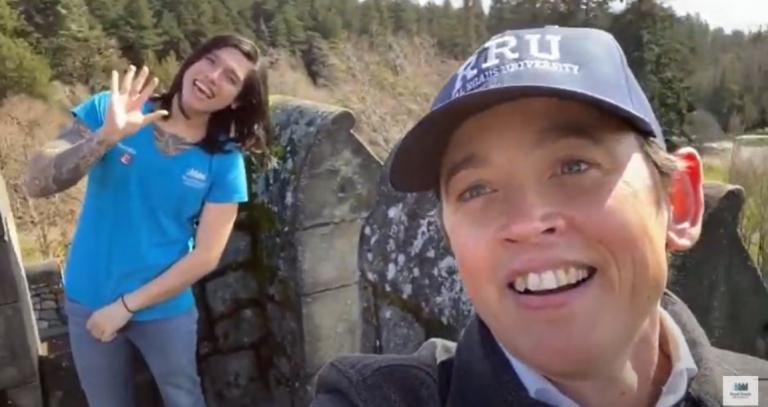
[729, 14]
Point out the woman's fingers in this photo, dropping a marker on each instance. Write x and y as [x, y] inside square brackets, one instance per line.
[128, 80]
[115, 82]
[138, 84]
[148, 90]
[154, 116]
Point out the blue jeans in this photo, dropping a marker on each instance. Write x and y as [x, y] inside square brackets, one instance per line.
[105, 369]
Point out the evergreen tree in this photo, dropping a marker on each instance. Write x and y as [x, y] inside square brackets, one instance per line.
[474, 31]
[138, 37]
[9, 19]
[164, 69]
[405, 16]
[23, 71]
[171, 38]
[644, 29]
[78, 48]
[500, 16]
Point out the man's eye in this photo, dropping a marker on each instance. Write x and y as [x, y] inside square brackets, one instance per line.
[473, 192]
[571, 167]
[210, 59]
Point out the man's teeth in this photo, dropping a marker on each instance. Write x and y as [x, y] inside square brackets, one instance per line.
[550, 279]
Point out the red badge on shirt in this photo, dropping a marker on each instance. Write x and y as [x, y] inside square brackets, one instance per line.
[126, 158]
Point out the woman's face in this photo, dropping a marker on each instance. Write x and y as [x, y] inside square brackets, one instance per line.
[213, 82]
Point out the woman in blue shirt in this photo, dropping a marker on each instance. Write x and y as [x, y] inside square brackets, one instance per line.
[165, 176]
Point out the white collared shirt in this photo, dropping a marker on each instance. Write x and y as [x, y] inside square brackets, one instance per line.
[683, 369]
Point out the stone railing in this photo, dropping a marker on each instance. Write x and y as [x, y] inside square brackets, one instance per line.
[44, 280]
[19, 344]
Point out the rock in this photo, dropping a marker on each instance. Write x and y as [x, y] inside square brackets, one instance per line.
[231, 291]
[400, 332]
[12, 370]
[232, 380]
[327, 258]
[405, 260]
[238, 248]
[331, 325]
[42, 324]
[240, 330]
[19, 374]
[718, 280]
[49, 315]
[48, 305]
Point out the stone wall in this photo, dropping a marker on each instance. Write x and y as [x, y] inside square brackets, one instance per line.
[47, 296]
[19, 378]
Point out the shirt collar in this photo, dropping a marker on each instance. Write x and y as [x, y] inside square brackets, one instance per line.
[683, 370]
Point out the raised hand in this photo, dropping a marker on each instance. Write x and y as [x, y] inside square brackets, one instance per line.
[124, 114]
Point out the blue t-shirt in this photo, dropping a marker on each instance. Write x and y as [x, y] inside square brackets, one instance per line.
[139, 213]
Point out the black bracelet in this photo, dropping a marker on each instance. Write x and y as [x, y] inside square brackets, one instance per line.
[122, 299]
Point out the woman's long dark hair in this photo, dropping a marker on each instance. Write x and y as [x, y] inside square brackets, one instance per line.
[247, 124]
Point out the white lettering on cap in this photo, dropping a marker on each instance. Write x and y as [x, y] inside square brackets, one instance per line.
[554, 46]
[500, 45]
[502, 49]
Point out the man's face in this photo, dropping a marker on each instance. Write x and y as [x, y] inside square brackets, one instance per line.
[559, 230]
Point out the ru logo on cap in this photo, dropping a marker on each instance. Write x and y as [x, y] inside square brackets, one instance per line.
[509, 52]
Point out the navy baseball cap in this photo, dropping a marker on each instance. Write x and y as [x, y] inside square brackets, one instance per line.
[581, 64]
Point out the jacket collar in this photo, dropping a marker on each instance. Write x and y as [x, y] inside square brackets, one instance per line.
[480, 374]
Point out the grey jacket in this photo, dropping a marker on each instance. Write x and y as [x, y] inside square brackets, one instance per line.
[476, 373]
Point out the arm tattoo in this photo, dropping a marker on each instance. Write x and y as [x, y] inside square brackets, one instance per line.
[61, 163]
[169, 143]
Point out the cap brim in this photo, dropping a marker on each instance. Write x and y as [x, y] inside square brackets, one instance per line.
[415, 165]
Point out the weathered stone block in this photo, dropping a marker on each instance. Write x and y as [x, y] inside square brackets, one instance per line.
[231, 291]
[404, 255]
[232, 380]
[718, 280]
[16, 365]
[240, 330]
[332, 325]
[338, 179]
[327, 256]
[238, 248]
[400, 332]
[48, 315]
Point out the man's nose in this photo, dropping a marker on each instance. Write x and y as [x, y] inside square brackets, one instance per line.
[530, 217]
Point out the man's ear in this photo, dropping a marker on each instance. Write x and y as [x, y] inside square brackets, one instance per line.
[686, 197]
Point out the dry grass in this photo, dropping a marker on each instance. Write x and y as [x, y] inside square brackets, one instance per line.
[44, 225]
[388, 85]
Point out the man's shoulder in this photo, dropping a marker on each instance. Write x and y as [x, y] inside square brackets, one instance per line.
[740, 364]
[372, 380]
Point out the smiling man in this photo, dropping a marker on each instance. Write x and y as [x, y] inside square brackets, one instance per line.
[560, 203]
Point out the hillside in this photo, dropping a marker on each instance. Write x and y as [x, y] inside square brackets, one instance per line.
[387, 86]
